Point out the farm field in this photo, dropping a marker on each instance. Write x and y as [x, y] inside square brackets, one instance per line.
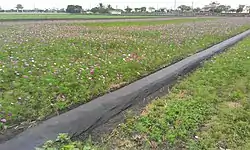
[15, 16]
[48, 68]
[209, 109]
[154, 21]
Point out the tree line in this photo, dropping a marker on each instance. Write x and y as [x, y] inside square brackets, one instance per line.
[213, 7]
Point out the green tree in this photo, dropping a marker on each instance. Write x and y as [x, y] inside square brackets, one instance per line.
[19, 7]
[197, 9]
[232, 10]
[102, 9]
[222, 8]
[213, 6]
[74, 9]
[162, 9]
[248, 8]
[95, 10]
[184, 8]
[78, 9]
[62, 10]
[143, 9]
[70, 9]
[137, 9]
[101, 5]
[128, 9]
[240, 8]
[109, 7]
[151, 9]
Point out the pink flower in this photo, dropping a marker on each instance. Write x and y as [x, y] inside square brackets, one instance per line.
[92, 71]
[3, 120]
[26, 77]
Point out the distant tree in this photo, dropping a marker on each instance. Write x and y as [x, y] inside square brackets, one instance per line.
[171, 10]
[162, 9]
[62, 10]
[137, 9]
[151, 9]
[110, 7]
[240, 8]
[78, 9]
[19, 7]
[94, 10]
[222, 8]
[70, 9]
[228, 7]
[213, 5]
[232, 10]
[248, 9]
[101, 5]
[128, 9]
[143, 9]
[197, 9]
[46, 10]
[102, 9]
[53, 10]
[184, 8]
[74, 9]
[168, 10]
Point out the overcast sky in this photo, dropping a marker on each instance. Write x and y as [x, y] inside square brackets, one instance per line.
[30, 4]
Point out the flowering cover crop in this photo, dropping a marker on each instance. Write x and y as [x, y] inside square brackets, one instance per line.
[47, 68]
[209, 109]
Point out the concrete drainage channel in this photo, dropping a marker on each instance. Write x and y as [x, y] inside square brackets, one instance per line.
[87, 117]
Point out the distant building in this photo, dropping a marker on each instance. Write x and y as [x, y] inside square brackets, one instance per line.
[206, 8]
[89, 12]
[115, 12]
[210, 7]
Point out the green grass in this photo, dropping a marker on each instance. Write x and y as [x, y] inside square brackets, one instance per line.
[9, 16]
[48, 68]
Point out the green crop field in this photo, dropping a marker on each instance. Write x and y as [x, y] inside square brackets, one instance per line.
[14, 16]
[209, 109]
[48, 68]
